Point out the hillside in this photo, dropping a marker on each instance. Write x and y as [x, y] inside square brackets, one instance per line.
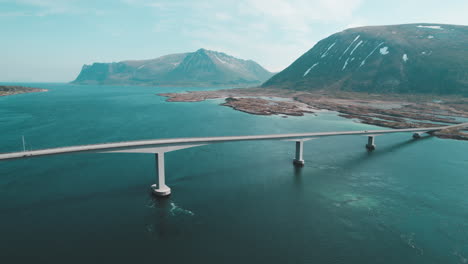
[200, 68]
[410, 58]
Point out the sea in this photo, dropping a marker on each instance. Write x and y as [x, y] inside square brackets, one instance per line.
[243, 202]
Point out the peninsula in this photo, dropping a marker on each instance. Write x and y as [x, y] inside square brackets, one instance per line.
[10, 90]
[385, 110]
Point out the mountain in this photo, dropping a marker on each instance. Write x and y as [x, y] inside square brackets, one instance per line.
[410, 58]
[200, 68]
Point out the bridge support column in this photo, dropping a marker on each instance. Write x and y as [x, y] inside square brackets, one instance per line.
[160, 189]
[417, 135]
[370, 143]
[299, 161]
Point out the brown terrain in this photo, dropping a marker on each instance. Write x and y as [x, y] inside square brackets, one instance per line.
[386, 110]
[10, 90]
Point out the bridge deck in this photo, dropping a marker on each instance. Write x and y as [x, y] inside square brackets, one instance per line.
[204, 140]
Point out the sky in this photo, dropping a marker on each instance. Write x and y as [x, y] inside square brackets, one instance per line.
[50, 40]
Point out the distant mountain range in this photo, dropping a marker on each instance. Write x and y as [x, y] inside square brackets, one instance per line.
[200, 68]
[410, 58]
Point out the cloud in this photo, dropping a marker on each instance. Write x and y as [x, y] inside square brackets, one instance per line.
[298, 15]
[273, 32]
[42, 8]
[14, 14]
[222, 16]
[250, 41]
[356, 22]
[46, 7]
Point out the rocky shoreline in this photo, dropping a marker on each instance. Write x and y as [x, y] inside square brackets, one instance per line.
[259, 106]
[392, 111]
[11, 90]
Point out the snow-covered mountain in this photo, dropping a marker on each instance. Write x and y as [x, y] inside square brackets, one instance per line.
[410, 58]
[200, 68]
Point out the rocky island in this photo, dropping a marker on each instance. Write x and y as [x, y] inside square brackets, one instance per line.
[10, 90]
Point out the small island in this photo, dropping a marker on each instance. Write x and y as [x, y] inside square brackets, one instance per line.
[10, 90]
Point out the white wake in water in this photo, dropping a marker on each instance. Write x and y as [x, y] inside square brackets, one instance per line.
[176, 210]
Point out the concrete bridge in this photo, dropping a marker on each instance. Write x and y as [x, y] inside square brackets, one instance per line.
[161, 146]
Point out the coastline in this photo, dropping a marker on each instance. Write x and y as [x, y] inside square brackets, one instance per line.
[6, 90]
[390, 110]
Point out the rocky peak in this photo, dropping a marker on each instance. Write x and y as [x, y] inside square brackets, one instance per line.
[202, 67]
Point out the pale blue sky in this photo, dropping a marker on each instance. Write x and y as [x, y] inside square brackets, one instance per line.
[50, 40]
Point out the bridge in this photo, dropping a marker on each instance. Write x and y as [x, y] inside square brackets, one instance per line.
[160, 146]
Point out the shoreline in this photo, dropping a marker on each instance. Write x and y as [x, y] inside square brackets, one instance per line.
[391, 111]
[6, 90]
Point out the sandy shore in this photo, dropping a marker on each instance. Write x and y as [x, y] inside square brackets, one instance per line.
[393, 111]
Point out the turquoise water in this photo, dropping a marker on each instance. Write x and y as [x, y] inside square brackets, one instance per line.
[406, 202]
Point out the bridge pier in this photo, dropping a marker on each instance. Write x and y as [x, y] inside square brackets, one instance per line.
[417, 135]
[299, 161]
[370, 146]
[160, 189]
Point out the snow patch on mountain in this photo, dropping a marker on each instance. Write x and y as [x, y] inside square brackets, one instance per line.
[349, 46]
[384, 51]
[431, 27]
[357, 45]
[308, 70]
[372, 52]
[219, 59]
[345, 64]
[326, 52]
[405, 57]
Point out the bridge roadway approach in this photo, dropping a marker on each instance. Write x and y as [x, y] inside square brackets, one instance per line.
[161, 146]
